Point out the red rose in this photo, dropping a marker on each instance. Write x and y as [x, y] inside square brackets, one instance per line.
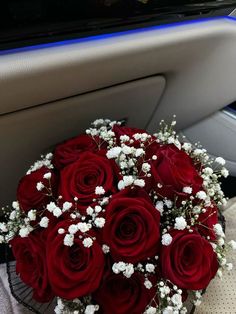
[81, 178]
[74, 271]
[120, 295]
[30, 255]
[70, 150]
[132, 226]
[189, 261]
[29, 196]
[124, 130]
[206, 222]
[174, 170]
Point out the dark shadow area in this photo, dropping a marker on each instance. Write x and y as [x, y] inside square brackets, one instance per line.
[229, 186]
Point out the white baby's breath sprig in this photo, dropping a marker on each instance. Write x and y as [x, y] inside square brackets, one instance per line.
[69, 240]
[180, 223]
[40, 186]
[25, 231]
[105, 249]
[148, 284]
[17, 223]
[88, 242]
[46, 161]
[66, 206]
[99, 190]
[220, 161]
[166, 239]
[168, 299]
[44, 222]
[121, 267]
[32, 214]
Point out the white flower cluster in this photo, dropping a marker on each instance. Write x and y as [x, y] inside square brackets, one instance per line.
[221, 249]
[187, 147]
[93, 214]
[44, 222]
[86, 223]
[212, 188]
[180, 223]
[160, 206]
[99, 190]
[53, 208]
[59, 309]
[40, 186]
[170, 300]
[147, 270]
[17, 223]
[91, 309]
[105, 249]
[150, 268]
[128, 158]
[198, 297]
[148, 283]
[211, 184]
[164, 205]
[187, 189]
[166, 239]
[200, 155]
[44, 161]
[81, 227]
[219, 231]
[45, 188]
[25, 231]
[130, 180]
[98, 123]
[75, 306]
[167, 135]
[101, 132]
[127, 269]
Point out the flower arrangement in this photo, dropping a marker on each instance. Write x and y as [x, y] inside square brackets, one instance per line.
[117, 220]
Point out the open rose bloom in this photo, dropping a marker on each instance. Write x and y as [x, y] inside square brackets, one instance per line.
[119, 221]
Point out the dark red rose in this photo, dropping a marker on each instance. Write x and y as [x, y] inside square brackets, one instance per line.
[206, 222]
[81, 178]
[132, 226]
[189, 261]
[124, 130]
[120, 295]
[70, 150]
[152, 148]
[30, 255]
[28, 195]
[174, 170]
[74, 271]
[151, 144]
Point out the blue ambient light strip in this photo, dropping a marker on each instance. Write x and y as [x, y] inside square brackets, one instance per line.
[112, 35]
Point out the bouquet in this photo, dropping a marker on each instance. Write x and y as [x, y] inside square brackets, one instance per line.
[119, 221]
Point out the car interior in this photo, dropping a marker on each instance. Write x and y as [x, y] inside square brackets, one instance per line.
[64, 64]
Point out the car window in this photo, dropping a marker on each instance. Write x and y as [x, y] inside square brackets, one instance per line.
[25, 22]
